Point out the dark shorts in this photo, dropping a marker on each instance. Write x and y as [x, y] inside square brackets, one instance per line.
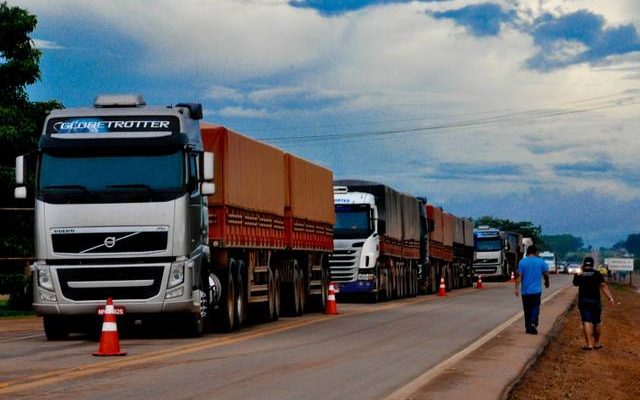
[590, 310]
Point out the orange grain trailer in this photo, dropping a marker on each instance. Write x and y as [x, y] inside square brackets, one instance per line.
[270, 229]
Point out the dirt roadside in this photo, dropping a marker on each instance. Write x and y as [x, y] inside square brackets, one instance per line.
[565, 371]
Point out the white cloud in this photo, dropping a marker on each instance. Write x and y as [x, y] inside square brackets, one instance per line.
[222, 93]
[241, 112]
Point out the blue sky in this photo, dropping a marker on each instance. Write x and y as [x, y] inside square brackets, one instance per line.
[521, 109]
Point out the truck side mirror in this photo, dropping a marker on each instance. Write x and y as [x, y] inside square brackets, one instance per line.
[20, 192]
[21, 170]
[382, 227]
[208, 166]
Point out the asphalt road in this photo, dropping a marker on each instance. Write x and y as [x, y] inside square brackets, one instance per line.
[367, 352]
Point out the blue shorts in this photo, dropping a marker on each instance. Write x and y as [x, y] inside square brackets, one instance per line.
[590, 310]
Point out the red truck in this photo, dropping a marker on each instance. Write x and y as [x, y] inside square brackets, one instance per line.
[447, 251]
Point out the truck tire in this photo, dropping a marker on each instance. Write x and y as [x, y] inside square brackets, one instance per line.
[431, 287]
[226, 309]
[291, 295]
[276, 296]
[303, 288]
[55, 327]
[241, 301]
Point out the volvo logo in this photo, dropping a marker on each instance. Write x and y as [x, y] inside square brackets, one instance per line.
[110, 241]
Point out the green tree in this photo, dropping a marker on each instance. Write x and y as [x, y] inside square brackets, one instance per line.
[562, 244]
[632, 244]
[526, 228]
[20, 121]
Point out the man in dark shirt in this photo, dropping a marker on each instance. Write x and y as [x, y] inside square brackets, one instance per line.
[590, 282]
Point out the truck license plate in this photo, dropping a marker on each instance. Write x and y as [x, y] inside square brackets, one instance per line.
[119, 310]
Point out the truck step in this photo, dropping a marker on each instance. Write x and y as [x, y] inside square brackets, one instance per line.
[315, 283]
[315, 291]
[258, 299]
[259, 288]
[316, 268]
[260, 269]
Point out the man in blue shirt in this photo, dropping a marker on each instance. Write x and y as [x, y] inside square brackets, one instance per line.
[531, 270]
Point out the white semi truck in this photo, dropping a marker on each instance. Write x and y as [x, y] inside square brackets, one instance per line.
[126, 207]
[376, 240]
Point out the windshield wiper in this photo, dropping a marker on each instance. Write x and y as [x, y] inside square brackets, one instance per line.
[81, 188]
[134, 186]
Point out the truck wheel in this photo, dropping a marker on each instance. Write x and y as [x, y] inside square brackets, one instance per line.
[432, 281]
[226, 311]
[302, 288]
[414, 282]
[241, 301]
[447, 278]
[297, 291]
[292, 293]
[55, 327]
[276, 296]
[387, 286]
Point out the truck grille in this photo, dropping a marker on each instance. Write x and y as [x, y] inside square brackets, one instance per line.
[108, 242]
[76, 282]
[480, 269]
[344, 265]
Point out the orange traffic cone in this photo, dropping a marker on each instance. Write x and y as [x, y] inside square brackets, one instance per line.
[442, 291]
[479, 284]
[109, 341]
[331, 307]
[513, 277]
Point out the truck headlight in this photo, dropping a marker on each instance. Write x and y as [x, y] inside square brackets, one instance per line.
[44, 278]
[176, 275]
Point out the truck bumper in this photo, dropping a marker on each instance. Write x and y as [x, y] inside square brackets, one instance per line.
[358, 287]
[488, 271]
[130, 307]
[57, 302]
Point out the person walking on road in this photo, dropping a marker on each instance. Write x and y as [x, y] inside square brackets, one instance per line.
[590, 282]
[531, 270]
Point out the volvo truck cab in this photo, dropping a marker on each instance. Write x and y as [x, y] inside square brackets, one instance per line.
[121, 211]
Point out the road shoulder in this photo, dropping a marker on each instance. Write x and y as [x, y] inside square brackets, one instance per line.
[492, 368]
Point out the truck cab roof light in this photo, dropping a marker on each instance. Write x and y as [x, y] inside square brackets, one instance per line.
[340, 189]
[119, 100]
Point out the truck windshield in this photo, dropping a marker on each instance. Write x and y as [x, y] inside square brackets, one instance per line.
[352, 221]
[87, 178]
[548, 258]
[488, 245]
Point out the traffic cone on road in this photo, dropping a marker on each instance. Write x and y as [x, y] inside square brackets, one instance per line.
[479, 284]
[513, 277]
[442, 291]
[109, 341]
[331, 307]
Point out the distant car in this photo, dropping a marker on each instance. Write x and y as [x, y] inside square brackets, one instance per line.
[574, 269]
[563, 266]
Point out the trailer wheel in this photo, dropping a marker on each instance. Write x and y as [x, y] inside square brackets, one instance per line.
[226, 310]
[241, 301]
[296, 289]
[302, 289]
[276, 296]
[414, 282]
[55, 327]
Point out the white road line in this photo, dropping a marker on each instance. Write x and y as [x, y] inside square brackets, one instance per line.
[408, 389]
